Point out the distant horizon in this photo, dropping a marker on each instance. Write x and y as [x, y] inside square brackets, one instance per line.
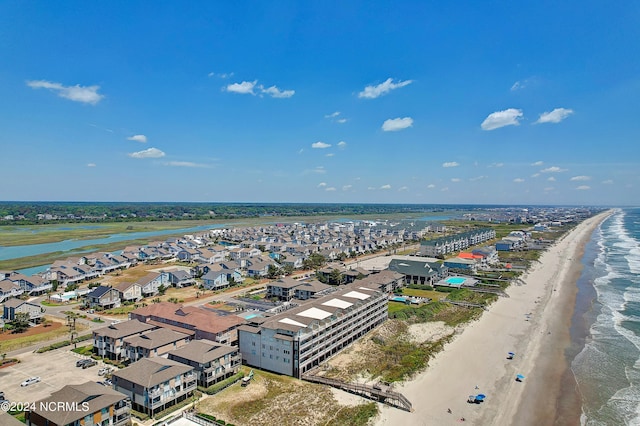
[327, 102]
[313, 203]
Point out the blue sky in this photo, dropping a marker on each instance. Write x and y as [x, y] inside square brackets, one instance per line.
[291, 101]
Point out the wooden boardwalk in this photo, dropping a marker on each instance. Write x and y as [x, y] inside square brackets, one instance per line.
[380, 393]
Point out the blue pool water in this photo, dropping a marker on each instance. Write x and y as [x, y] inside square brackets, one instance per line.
[399, 299]
[455, 280]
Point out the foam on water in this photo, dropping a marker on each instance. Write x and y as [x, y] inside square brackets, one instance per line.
[608, 368]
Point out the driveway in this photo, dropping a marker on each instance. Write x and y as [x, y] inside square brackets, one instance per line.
[56, 369]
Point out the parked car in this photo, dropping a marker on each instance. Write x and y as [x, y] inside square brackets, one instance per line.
[108, 382]
[30, 381]
[89, 363]
[81, 362]
[104, 371]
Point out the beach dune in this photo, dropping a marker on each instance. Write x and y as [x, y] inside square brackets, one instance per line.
[534, 323]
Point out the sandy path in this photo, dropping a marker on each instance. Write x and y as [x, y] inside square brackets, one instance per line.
[477, 357]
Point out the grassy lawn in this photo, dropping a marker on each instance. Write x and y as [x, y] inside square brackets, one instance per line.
[431, 294]
[272, 396]
[35, 335]
[121, 311]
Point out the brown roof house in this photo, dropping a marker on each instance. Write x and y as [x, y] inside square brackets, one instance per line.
[84, 404]
[153, 343]
[211, 361]
[205, 323]
[108, 342]
[154, 384]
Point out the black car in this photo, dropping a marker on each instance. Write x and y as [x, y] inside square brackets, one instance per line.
[81, 362]
[89, 363]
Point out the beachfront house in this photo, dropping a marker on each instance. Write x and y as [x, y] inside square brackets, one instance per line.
[151, 282]
[211, 361]
[129, 292]
[154, 384]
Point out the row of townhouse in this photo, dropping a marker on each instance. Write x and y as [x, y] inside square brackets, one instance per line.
[458, 242]
[14, 284]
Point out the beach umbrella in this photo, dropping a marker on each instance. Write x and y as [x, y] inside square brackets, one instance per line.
[519, 377]
[480, 397]
[511, 353]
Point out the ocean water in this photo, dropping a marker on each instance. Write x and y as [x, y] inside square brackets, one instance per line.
[607, 365]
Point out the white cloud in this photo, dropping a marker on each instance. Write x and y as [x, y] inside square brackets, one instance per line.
[518, 180]
[496, 164]
[322, 184]
[455, 179]
[607, 182]
[274, 92]
[450, 164]
[77, 93]
[395, 124]
[346, 187]
[580, 178]
[403, 188]
[518, 85]
[319, 170]
[535, 175]
[138, 138]
[341, 120]
[148, 153]
[387, 186]
[342, 144]
[555, 116]
[186, 164]
[431, 186]
[244, 88]
[446, 188]
[320, 145]
[331, 154]
[330, 188]
[332, 115]
[508, 117]
[477, 178]
[372, 92]
[553, 169]
[537, 163]
[583, 188]
[371, 188]
[91, 165]
[551, 179]
[220, 75]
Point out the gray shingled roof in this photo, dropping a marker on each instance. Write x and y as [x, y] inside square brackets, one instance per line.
[203, 351]
[156, 338]
[149, 372]
[124, 329]
[97, 396]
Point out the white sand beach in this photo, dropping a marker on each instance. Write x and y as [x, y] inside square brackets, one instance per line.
[533, 322]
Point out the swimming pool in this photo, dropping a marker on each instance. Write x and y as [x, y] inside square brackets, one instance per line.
[455, 280]
[399, 299]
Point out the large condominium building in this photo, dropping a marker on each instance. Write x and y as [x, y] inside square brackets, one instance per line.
[296, 340]
[108, 341]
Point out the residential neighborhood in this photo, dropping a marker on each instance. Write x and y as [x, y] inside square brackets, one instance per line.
[309, 299]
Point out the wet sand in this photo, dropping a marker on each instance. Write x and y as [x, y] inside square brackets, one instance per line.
[534, 321]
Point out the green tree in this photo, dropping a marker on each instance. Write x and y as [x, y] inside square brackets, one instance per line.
[273, 271]
[335, 277]
[315, 261]
[20, 322]
[162, 289]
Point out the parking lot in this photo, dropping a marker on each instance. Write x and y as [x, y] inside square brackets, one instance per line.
[56, 369]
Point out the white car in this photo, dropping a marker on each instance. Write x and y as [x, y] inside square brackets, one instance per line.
[30, 381]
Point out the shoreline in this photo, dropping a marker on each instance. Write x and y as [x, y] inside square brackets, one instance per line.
[535, 323]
